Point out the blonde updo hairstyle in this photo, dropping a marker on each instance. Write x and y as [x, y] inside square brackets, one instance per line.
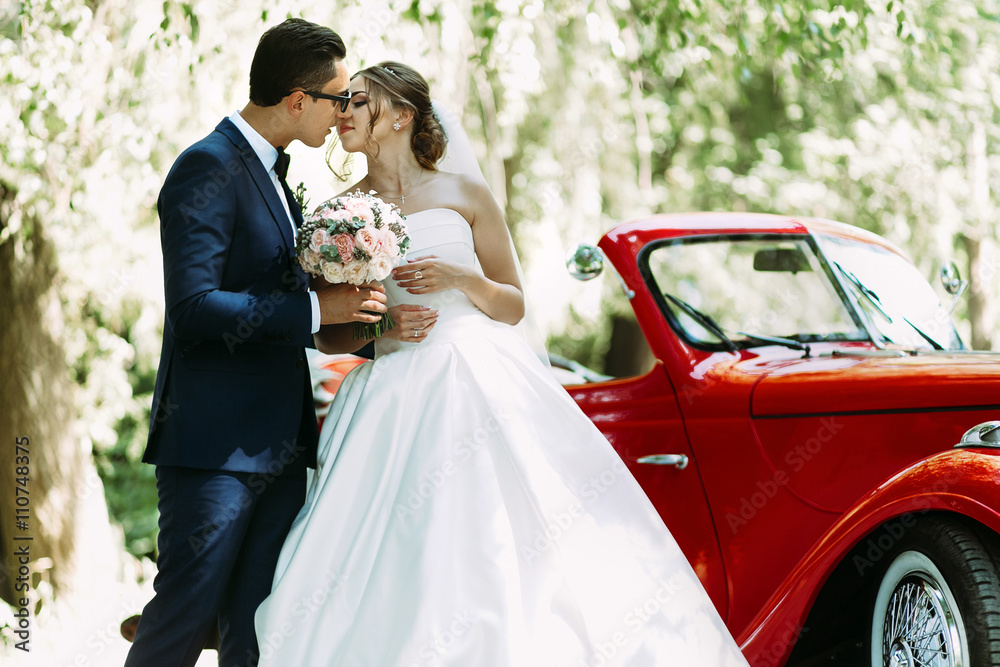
[397, 86]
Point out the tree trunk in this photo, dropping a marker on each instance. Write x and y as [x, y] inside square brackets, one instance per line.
[36, 411]
[628, 352]
[980, 306]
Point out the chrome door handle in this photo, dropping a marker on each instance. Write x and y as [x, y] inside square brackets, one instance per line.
[679, 460]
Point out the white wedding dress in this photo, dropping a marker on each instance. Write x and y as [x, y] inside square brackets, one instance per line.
[466, 513]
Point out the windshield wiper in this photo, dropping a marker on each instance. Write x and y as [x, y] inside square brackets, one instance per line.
[864, 291]
[703, 319]
[778, 340]
[934, 344]
[873, 299]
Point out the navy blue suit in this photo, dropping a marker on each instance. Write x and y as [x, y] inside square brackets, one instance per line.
[232, 427]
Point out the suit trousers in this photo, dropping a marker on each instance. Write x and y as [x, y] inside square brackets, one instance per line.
[220, 536]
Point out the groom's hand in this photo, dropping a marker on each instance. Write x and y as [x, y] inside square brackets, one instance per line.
[346, 303]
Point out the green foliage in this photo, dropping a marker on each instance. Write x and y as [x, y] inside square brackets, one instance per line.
[130, 488]
[172, 11]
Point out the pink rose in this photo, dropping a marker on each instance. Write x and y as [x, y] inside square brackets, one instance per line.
[367, 240]
[338, 215]
[319, 239]
[359, 208]
[345, 246]
[388, 242]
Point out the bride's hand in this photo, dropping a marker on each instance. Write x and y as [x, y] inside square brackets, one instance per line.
[413, 323]
[430, 273]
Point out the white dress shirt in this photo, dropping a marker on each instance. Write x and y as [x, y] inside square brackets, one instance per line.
[268, 155]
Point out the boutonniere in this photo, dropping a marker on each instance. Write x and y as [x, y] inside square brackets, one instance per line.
[300, 196]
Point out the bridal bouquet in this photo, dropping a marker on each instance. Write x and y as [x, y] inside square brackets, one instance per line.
[354, 239]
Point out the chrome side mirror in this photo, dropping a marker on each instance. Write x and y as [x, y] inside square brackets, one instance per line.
[585, 262]
[953, 284]
[951, 279]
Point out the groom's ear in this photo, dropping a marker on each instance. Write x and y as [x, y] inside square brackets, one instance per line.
[295, 103]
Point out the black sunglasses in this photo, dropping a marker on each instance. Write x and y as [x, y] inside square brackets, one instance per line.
[343, 99]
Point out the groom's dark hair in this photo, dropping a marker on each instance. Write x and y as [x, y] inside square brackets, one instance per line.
[293, 54]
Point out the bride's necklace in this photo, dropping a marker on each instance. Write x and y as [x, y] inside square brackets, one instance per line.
[402, 197]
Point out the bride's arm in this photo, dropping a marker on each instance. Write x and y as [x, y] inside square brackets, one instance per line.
[498, 291]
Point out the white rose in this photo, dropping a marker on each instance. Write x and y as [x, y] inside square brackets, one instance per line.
[333, 272]
[309, 259]
[380, 267]
[388, 215]
[356, 273]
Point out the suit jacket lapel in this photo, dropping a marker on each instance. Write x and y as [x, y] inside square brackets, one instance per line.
[262, 180]
[293, 206]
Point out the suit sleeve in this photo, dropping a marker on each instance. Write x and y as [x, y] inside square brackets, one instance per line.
[198, 209]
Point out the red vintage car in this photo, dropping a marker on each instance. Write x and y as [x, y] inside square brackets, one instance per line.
[814, 433]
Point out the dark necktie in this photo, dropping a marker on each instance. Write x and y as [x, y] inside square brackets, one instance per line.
[281, 165]
[281, 169]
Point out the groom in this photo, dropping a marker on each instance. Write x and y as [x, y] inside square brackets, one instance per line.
[232, 427]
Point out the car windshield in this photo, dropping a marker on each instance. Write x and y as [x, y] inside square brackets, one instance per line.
[747, 287]
[901, 306]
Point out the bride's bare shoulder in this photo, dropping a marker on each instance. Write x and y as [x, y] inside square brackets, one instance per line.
[459, 192]
[464, 189]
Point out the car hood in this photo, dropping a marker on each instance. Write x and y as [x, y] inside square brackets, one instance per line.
[860, 383]
[836, 427]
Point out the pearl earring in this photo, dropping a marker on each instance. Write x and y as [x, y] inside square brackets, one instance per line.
[396, 126]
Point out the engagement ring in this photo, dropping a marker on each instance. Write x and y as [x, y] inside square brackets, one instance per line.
[418, 275]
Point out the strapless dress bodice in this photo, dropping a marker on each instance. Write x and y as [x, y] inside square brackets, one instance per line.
[444, 233]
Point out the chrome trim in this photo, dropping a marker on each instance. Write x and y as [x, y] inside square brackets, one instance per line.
[630, 293]
[986, 434]
[678, 460]
[875, 354]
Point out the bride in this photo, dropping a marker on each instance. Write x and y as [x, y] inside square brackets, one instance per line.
[465, 512]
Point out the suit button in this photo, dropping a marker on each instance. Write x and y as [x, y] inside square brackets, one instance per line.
[300, 363]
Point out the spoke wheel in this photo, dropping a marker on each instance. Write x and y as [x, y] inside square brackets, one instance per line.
[938, 602]
[921, 623]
